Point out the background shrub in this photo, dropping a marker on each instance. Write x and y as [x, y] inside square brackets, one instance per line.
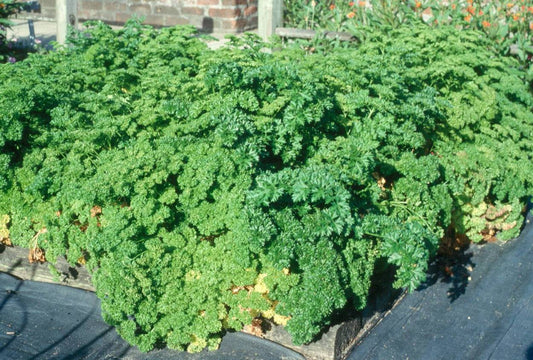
[9, 51]
[507, 24]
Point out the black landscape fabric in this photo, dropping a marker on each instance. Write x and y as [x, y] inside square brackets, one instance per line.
[483, 310]
[48, 321]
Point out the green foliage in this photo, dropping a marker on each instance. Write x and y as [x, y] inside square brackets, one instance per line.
[204, 188]
[507, 24]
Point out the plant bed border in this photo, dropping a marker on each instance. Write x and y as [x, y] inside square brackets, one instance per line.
[14, 261]
[335, 343]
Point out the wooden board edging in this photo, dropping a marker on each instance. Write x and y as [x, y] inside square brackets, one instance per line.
[14, 261]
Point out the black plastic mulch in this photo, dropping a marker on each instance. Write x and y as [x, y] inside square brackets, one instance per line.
[48, 321]
[482, 309]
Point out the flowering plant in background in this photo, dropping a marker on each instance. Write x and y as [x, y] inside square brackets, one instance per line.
[7, 8]
[508, 24]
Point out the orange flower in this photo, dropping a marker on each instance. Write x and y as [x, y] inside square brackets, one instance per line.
[530, 9]
[332, 7]
[361, 3]
[485, 24]
[470, 9]
[350, 15]
[418, 4]
[531, 26]
[510, 5]
[351, 3]
[480, 13]
[468, 18]
[454, 6]
[516, 17]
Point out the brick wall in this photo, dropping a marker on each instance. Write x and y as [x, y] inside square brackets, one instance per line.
[224, 16]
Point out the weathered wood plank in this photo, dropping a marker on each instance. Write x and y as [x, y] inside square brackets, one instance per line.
[310, 34]
[14, 261]
[339, 339]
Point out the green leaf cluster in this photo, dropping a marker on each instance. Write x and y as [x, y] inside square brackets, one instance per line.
[205, 188]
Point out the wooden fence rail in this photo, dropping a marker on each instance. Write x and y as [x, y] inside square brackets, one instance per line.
[311, 34]
[271, 22]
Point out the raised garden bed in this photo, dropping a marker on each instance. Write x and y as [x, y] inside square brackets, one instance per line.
[206, 191]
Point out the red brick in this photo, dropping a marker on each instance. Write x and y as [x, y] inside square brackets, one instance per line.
[192, 11]
[250, 10]
[235, 25]
[208, 2]
[166, 10]
[84, 15]
[224, 13]
[96, 15]
[156, 20]
[175, 20]
[234, 2]
[122, 17]
[141, 9]
[115, 6]
[92, 5]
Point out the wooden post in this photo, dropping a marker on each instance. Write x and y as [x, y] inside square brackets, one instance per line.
[270, 17]
[66, 15]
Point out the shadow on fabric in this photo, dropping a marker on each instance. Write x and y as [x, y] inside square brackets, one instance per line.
[68, 332]
[529, 352]
[11, 293]
[453, 269]
[86, 350]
